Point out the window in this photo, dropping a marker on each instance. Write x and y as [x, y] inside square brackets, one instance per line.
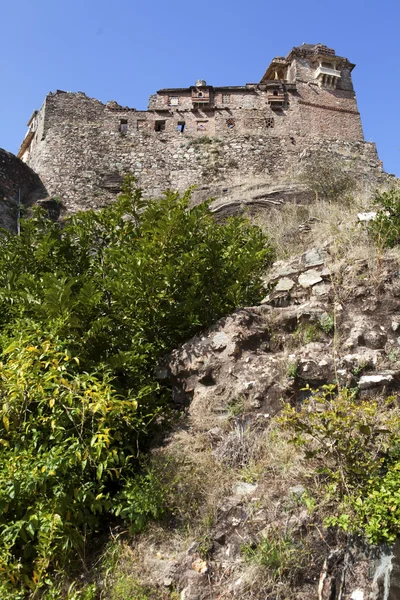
[181, 126]
[202, 125]
[200, 95]
[226, 98]
[230, 123]
[159, 126]
[269, 123]
[173, 101]
[123, 125]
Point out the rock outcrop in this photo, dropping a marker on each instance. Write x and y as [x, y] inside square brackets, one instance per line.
[322, 320]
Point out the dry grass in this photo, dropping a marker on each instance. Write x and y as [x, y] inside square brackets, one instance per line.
[294, 227]
[196, 481]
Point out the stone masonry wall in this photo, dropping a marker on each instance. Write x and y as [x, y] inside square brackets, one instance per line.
[228, 141]
[16, 177]
[81, 154]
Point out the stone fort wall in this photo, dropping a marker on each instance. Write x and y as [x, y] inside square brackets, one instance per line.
[17, 182]
[222, 140]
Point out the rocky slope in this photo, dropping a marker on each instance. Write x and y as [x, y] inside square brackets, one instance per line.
[236, 481]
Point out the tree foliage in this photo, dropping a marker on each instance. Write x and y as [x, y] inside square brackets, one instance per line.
[354, 445]
[87, 308]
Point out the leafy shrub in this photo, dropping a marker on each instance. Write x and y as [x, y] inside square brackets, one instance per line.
[328, 177]
[66, 438]
[355, 446]
[86, 311]
[385, 228]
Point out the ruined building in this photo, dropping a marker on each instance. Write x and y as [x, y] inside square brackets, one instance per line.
[236, 143]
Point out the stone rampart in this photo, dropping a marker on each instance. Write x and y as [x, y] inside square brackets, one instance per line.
[18, 182]
[81, 154]
[228, 141]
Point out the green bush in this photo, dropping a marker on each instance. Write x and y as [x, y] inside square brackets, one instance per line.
[355, 447]
[328, 177]
[87, 309]
[385, 228]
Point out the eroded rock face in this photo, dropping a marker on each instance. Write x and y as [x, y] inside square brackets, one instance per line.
[252, 352]
[243, 368]
[18, 183]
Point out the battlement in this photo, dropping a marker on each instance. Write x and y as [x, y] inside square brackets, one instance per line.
[82, 147]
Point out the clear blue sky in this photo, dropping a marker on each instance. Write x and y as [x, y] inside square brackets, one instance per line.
[126, 50]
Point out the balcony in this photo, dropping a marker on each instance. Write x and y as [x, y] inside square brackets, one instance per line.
[201, 102]
[204, 100]
[326, 71]
[276, 100]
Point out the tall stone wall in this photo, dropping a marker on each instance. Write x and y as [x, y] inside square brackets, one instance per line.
[81, 153]
[231, 142]
[17, 181]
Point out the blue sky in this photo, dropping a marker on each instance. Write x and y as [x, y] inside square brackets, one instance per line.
[126, 50]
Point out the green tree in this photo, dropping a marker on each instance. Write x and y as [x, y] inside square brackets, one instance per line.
[87, 309]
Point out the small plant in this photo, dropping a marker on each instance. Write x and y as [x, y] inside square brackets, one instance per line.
[292, 369]
[385, 228]
[236, 407]
[327, 322]
[141, 499]
[307, 333]
[393, 355]
[250, 473]
[309, 502]
[358, 369]
[278, 552]
[204, 546]
[204, 140]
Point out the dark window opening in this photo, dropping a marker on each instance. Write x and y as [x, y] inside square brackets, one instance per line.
[123, 125]
[230, 123]
[181, 126]
[159, 126]
[269, 123]
[275, 93]
[200, 95]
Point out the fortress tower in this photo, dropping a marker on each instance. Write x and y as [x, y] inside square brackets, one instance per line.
[224, 139]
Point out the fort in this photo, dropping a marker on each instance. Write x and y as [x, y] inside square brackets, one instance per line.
[239, 144]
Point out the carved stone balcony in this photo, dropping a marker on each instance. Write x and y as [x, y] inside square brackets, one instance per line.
[326, 71]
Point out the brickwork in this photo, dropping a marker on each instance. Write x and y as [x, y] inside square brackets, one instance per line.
[213, 137]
